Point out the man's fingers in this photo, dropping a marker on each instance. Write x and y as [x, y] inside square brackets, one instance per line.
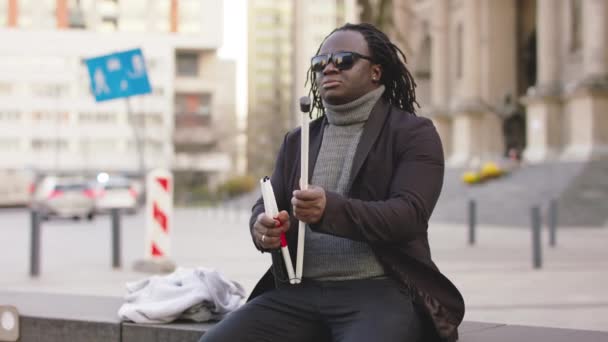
[307, 195]
[282, 221]
[314, 204]
[269, 242]
[300, 204]
[265, 220]
[283, 217]
[269, 231]
[304, 211]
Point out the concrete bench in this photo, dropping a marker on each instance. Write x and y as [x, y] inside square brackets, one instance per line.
[57, 317]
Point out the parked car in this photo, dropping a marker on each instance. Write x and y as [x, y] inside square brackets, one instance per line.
[65, 198]
[16, 187]
[116, 193]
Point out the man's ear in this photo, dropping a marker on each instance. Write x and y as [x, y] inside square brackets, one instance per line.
[376, 72]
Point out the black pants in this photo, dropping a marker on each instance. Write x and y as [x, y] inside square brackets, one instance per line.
[353, 310]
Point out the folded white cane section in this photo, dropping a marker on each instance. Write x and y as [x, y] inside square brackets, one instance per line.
[272, 210]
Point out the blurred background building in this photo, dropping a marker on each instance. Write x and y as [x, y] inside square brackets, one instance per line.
[50, 122]
[283, 35]
[520, 78]
[526, 75]
[525, 78]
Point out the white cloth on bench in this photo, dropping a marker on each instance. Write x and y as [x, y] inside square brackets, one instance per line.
[199, 294]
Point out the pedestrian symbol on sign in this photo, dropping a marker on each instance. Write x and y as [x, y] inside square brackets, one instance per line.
[117, 75]
[139, 68]
[100, 83]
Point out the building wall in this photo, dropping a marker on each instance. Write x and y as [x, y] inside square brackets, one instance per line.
[270, 81]
[56, 121]
[214, 138]
[283, 36]
[546, 55]
[51, 121]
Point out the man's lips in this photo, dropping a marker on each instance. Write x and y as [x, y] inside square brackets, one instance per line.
[328, 84]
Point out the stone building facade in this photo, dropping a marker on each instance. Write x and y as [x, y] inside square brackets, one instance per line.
[523, 75]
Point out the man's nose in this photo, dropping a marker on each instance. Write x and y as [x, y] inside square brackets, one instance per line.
[330, 68]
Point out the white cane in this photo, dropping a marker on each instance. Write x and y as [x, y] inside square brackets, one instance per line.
[305, 109]
[272, 210]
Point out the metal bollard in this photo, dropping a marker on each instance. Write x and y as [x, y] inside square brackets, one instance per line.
[34, 243]
[472, 220]
[115, 238]
[536, 239]
[552, 222]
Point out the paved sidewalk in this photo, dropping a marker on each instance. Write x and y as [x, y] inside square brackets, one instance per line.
[495, 276]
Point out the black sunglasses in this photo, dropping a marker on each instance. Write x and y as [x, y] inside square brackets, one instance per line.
[342, 60]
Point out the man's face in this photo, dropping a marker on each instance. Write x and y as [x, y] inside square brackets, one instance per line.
[342, 86]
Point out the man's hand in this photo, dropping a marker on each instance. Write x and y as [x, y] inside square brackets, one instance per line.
[309, 205]
[267, 231]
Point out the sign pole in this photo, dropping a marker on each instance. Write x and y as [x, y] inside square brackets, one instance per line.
[122, 75]
[138, 140]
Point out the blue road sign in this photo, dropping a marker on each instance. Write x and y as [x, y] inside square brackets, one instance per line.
[117, 75]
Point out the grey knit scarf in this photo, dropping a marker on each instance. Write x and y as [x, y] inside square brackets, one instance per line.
[328, 257]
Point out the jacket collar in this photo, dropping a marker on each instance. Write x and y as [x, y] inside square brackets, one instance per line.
[370, 133]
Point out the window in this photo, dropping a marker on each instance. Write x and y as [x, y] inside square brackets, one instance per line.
[39, 116]
[192, 109]
[10, 116]
[158, 91]
[146, 119]
[5, 88]
[3, 13]
[199, 104]
[189, 16]
[154, 119]
[187, 64]
[49, 90]
[9, 144]
[49, 144]
[423, 60]
[75, 15]
[97, 117]
[149, 146]
[109, 24]
[99, 145]
[153, 146]
[151, 64]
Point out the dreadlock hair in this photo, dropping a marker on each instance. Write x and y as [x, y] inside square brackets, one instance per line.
[399, 83]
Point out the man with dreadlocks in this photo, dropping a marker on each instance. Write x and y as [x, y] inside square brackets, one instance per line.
[377, 172]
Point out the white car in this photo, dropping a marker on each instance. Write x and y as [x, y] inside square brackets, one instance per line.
[64, 197]
[116, 193]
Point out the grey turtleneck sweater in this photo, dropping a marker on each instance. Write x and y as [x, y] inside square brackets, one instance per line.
[328, 257]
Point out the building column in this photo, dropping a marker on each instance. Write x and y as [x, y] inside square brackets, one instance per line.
[498, 71]
[13, 13]
[440, 72]
[174, 16]
[62, 14]
[587, 102]
[543, 106]
[468, 112]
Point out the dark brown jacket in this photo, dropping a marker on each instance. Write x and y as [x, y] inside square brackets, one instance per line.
[396, 179]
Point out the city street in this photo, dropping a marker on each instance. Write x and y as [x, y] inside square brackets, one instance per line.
[495, 276]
